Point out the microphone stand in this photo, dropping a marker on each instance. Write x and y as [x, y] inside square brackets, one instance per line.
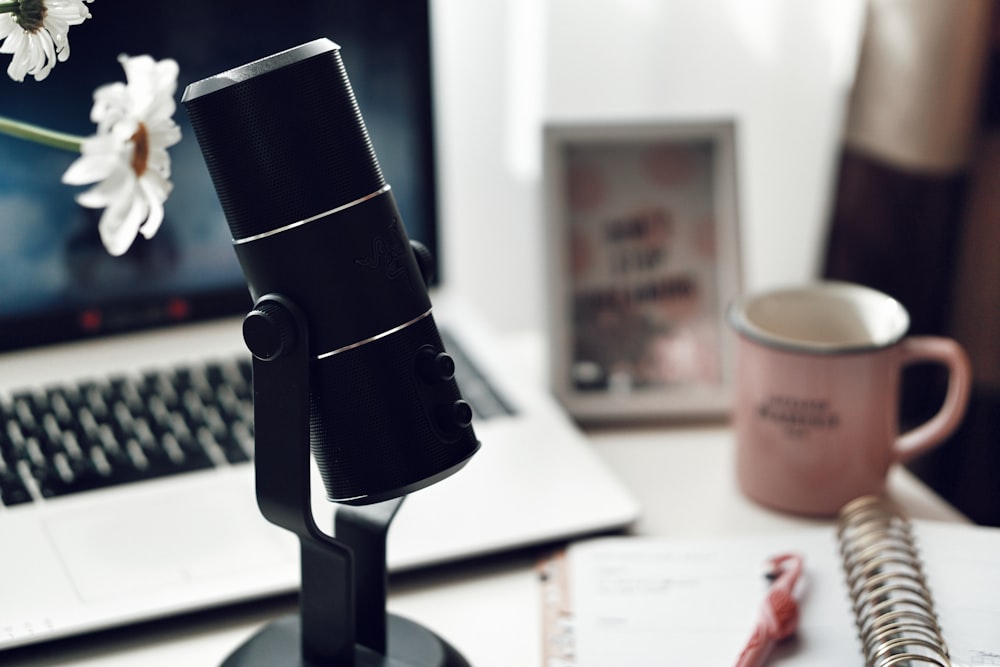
[342, 620]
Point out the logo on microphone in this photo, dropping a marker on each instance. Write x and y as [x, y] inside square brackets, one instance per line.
[389, 254]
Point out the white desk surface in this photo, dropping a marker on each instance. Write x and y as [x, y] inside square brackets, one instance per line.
[490, 610]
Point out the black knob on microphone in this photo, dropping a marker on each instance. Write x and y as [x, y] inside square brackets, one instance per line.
[313, 221]
[268, 331]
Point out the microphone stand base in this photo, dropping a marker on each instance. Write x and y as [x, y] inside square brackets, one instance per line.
[279, 644]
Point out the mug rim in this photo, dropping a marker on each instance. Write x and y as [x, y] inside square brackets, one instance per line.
[737, 314]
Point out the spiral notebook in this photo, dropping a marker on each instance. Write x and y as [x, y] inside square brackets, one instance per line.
[879, 590]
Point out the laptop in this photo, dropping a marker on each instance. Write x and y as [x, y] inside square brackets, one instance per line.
[105, 523]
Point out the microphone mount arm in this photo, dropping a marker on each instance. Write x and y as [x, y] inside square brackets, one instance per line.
[342, 619]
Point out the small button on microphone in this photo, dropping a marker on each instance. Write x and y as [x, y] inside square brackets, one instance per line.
[434, 366]
[455, 416]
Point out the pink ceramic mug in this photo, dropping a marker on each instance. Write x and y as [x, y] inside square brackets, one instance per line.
[817, 394]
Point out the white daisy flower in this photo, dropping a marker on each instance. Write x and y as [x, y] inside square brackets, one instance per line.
[127, 158]
[36, 33]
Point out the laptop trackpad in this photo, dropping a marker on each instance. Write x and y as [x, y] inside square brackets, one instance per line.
[166, 537]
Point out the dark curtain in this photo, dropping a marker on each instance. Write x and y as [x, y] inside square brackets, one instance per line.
[916, 213]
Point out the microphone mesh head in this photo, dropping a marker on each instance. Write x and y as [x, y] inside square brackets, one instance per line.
[283, 148]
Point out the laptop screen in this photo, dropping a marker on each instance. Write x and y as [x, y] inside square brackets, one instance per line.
[58, 283]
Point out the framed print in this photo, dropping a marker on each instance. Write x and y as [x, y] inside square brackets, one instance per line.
[643, 253]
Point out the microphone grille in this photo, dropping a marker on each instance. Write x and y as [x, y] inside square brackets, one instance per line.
[283, 138]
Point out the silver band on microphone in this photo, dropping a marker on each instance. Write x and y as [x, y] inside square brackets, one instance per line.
[277, 230]
[352, 346]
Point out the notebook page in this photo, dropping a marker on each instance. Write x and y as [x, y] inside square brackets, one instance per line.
[660, 602]
[962, 565]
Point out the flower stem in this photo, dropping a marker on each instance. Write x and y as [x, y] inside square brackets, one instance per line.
[60, 140]
[9, 7]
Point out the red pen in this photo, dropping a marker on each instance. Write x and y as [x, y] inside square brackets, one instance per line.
[779, 615]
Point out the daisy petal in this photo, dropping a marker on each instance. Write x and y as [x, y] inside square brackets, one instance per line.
[119, 224]
[152, 223]
[90, 169]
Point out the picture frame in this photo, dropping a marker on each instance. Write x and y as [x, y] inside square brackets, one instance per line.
[643, 254]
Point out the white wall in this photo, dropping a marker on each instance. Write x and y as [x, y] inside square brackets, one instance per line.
[781, 68]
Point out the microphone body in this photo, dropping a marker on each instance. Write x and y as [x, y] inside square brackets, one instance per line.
[313, 221]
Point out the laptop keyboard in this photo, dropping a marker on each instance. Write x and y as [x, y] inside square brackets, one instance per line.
[124, 429]
[67, 439]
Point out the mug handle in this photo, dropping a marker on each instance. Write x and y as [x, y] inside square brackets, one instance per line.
[932, 432]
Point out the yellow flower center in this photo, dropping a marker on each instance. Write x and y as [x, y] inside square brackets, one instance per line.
[140, 151]
[30, 15]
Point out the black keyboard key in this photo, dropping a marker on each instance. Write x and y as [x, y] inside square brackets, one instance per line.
[12, 489]
[24, 410]
[233, 451]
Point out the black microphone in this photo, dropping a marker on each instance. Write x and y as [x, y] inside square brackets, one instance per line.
[314, 222]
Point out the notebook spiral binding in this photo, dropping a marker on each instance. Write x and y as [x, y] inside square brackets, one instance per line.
[893, 609]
